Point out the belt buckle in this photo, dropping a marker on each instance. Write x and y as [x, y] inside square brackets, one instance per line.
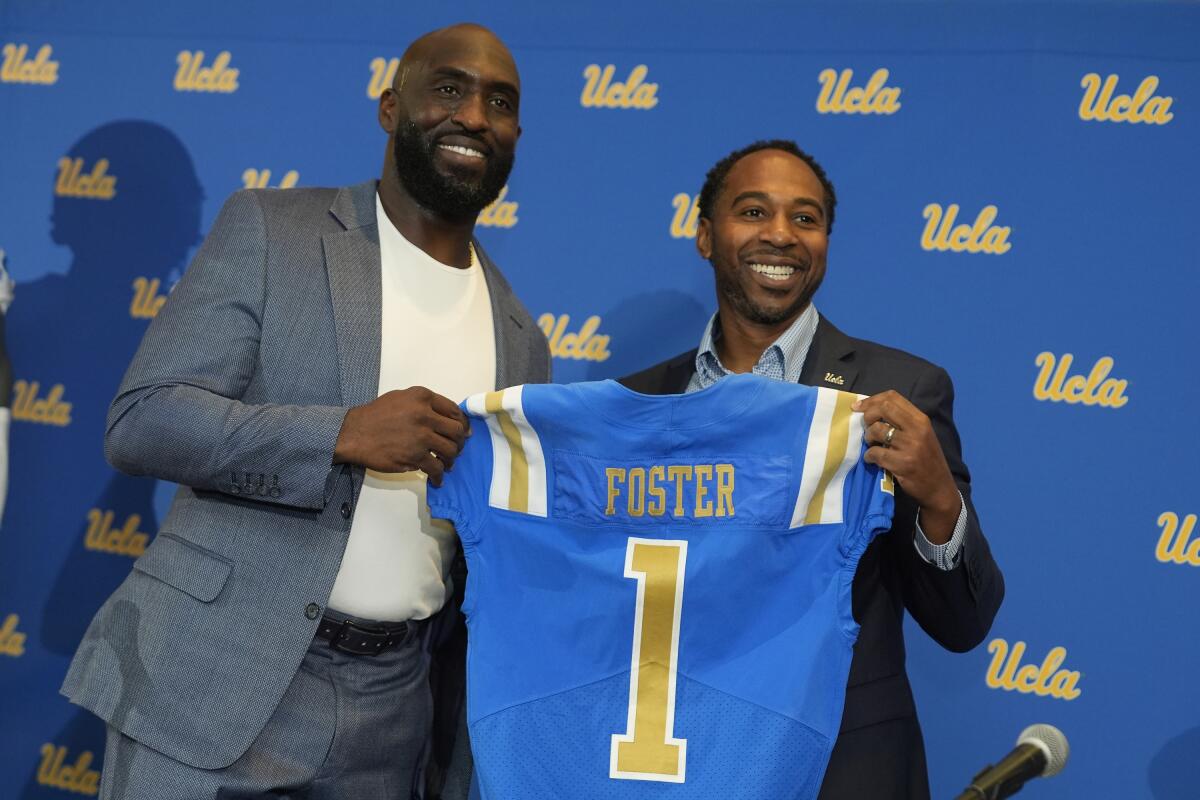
[358, 640]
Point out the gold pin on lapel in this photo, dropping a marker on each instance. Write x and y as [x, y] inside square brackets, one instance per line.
[837, 380]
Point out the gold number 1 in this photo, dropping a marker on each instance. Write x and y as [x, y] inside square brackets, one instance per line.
[648, 750]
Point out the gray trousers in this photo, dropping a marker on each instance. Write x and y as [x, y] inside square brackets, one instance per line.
[349, 726]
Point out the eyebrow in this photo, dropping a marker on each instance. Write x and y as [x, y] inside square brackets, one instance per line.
[463, 75]
[800, 201]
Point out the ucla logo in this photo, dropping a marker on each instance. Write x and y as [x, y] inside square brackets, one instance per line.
[124, 541]
[12, 641]
[146, 299]
[1100, 105]
[836, 380]
[261, 179]
[192, 76]
[56, 772]
[686, 219]
[49, 410]
[1044, 680]
[19, 69]
[1173, 546]
[586, 345]
[837, 97]
[979, 237]
[1097, 389]
[383, 72]
[74, 182]
[502, 213]
[601, 91]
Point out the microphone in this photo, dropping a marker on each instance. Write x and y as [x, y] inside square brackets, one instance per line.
[1041, 751]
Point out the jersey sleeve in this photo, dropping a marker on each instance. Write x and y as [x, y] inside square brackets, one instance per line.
[501, 469]
[837, 487]
[870, 498]
[462, 497]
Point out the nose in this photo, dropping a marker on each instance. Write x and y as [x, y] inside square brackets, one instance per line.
[471, 113]
[778, 231]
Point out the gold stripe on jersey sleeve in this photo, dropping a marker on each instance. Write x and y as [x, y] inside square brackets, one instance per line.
[835, 451]
[518, 486]
[887, 483]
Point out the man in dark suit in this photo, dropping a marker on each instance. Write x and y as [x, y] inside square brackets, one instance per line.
[766, 213]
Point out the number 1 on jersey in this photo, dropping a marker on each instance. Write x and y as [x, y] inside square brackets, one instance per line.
[648, 750]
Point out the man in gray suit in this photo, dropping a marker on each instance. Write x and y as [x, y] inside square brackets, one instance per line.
[274, 639]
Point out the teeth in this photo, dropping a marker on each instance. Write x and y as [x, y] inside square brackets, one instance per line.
[462, 151]
[772, 271]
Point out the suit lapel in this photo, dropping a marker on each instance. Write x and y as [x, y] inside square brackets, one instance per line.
[353, 266]
[830, 361]
[679, 373]
[511, 360]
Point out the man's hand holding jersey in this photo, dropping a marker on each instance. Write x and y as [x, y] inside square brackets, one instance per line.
[902, 441]
[403, 430]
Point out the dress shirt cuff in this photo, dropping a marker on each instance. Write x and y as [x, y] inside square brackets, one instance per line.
[943, 556]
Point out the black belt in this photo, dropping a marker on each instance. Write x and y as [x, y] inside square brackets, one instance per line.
[349, 637]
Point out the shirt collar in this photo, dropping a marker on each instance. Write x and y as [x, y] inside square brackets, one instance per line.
[782, 360]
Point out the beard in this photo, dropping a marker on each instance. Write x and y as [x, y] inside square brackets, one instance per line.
[729, 288]
[446, 195]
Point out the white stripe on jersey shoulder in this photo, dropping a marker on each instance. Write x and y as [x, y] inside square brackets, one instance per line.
[518, 463]
[834, 446]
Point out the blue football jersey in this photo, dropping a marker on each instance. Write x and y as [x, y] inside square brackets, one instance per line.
[658, 597]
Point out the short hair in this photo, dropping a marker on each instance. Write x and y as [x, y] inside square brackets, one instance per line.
[714, 182]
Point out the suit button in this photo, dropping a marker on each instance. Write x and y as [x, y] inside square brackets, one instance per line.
[346, 510]
[312, 611]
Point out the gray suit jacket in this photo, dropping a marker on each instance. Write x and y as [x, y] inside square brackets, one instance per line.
[237, 393]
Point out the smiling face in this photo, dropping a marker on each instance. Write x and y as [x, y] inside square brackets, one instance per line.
[767, 239]
[453, 119]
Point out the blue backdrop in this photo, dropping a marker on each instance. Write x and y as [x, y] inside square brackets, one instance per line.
[1062, 137]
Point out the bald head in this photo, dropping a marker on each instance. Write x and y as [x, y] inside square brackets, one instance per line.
[454, 43]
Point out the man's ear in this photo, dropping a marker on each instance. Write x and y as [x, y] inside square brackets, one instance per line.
[389, 103]
[704, 238]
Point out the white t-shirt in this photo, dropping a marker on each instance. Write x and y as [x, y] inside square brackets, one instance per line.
[437, 333]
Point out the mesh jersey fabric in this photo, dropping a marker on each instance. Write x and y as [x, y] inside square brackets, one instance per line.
[658, 599]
